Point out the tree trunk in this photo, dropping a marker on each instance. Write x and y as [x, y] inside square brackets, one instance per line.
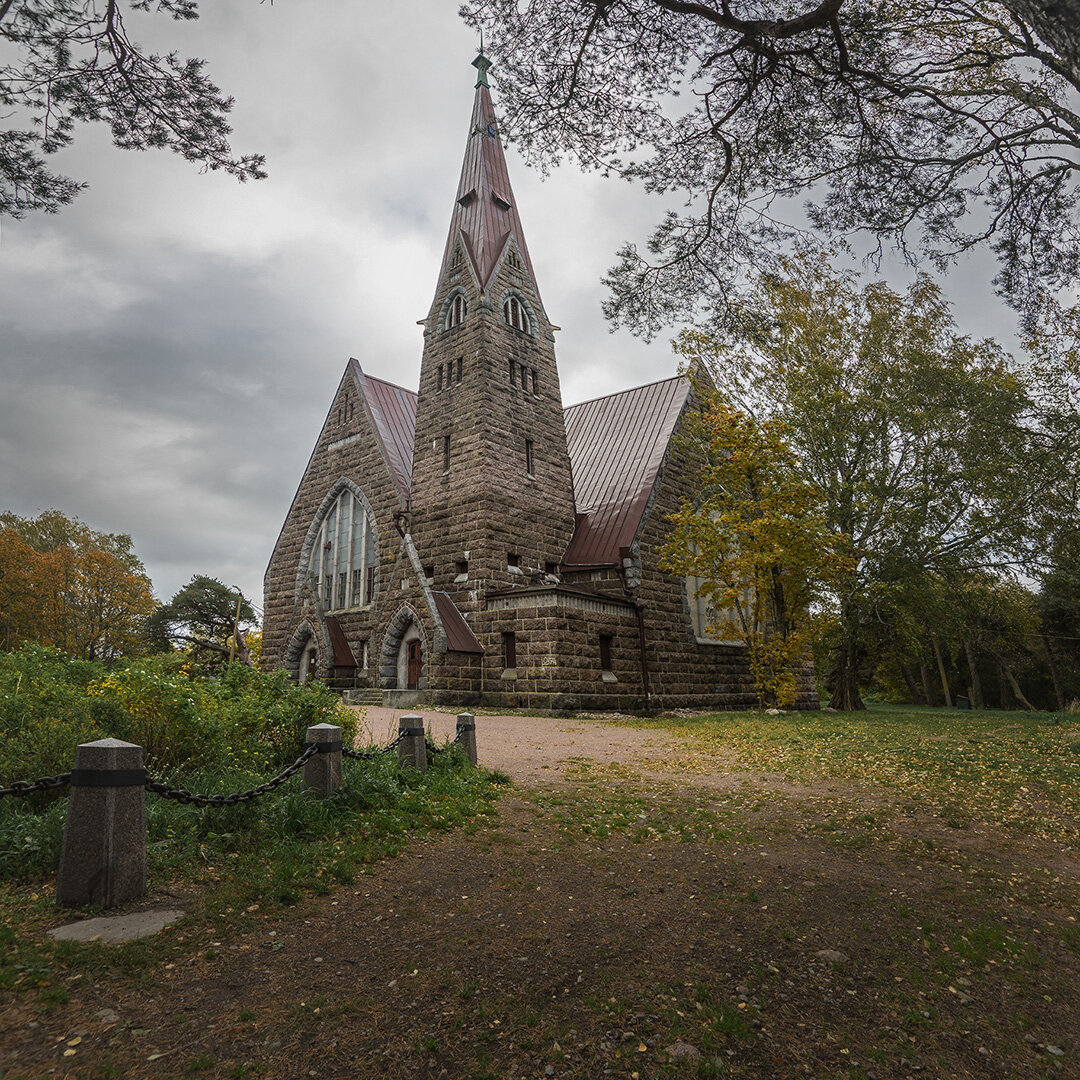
[243, 653]
[928, 689]
[1017, 692]
[941, 672]
[1004, 697]
[912, 688]
[845, 695]
[977, 701]
[1054, 674]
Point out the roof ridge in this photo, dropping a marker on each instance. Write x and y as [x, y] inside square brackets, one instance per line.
[628, 390]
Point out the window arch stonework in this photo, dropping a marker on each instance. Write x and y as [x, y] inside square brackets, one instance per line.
[455, 310]
[340, 552]
[517, 313]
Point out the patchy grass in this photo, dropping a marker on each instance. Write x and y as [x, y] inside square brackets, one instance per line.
[1002, 769]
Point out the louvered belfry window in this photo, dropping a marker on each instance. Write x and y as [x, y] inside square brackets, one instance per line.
[515, 315]
[456, 312]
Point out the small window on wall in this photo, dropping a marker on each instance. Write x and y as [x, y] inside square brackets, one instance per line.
[515, 314]
[509, 650]
[511, 363]
[605, 652]
[429, 573]
[529, 456]
[534, 380]
[438, 385]
[446, 453]
[460, 361]
[514, 260]
[457, 311]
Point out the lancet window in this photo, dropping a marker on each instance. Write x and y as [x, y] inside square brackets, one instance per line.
[345, 554]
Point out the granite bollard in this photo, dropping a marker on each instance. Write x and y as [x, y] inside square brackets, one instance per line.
[103, 857]
[466, 735]
[322, 773]
[412, 750]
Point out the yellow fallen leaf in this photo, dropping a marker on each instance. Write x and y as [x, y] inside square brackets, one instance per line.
[75, 1041]
[642, 1048]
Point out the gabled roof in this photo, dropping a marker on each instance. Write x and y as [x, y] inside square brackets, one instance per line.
[392, 410]
[485, 212]
[617, 445]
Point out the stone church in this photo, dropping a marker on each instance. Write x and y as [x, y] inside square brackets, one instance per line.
[478, 543]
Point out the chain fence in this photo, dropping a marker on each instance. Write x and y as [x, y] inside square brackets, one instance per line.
[189, 798]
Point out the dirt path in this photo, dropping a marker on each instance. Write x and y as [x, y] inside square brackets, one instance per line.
[535, 749]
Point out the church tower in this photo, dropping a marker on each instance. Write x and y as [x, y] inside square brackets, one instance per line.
[492, 503]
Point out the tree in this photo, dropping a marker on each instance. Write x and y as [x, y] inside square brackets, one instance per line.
[921, 442]
[207, 618]
[755, 538]
[932, 125]
[71, 61]
[66, 585]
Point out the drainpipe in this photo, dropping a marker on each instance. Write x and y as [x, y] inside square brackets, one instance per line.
[639, 607]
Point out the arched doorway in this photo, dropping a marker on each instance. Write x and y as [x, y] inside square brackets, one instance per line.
[303, 653]
[403, 656]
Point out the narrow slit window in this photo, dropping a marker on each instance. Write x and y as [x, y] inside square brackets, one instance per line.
[524, 377]
[529, 456]
[446, 453]
[534, 380]
[438, 385]
[511, 363]
[509, 650]
[605, 652]
[460, 361]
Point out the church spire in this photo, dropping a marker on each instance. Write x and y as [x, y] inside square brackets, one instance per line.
[485, 215]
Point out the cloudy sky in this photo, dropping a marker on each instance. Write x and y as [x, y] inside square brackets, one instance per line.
[169, 344]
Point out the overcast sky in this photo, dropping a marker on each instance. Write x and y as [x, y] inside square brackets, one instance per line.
[169, 345]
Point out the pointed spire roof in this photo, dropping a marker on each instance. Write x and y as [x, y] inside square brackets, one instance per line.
[485, 212]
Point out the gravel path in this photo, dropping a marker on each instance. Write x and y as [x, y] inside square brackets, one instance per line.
[533, 749]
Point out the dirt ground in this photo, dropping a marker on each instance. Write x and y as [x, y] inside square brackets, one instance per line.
[544, 946]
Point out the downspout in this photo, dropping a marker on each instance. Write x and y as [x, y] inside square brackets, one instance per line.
[639, 607]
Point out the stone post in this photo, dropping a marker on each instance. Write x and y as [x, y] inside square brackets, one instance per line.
[412, 750]
[322, 773]
[103, 857]
[466, 735]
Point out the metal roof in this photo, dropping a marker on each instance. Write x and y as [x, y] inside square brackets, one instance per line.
[392, 410]
[459, 635]
[485, 212]
[617, 446]
[616, 443]
[343, 655]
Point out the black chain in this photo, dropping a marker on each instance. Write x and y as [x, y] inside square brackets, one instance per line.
[188, 799]
[42, 783]
[372, 753]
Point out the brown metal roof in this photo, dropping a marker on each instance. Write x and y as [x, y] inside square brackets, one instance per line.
[485, 212]
[392, 410]
[459, 636]
[617, 445]
[343, 656]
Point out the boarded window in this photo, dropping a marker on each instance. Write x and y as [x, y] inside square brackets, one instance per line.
[509, 650]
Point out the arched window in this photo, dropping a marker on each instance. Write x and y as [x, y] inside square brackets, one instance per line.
[515, 314]
[721, 626]
[345, 554]
[456, 311]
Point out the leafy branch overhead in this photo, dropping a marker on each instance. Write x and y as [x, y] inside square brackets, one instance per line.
[934, 126]
[68, 62]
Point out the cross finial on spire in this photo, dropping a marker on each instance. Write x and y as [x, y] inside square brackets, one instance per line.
[481, 63]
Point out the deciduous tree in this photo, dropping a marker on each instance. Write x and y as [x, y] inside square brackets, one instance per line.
[922, 443]
[933, 125]
[66, 585]
[67, 62]
[755, 538]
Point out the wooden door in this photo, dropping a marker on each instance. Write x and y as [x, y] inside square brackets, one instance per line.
[416, 665]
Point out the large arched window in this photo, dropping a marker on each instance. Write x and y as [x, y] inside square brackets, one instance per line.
[345, 553]
[457, 309]
[710, 625]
